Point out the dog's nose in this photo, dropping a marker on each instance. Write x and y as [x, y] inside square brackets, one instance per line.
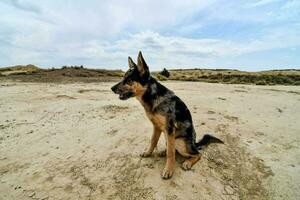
[114, 88]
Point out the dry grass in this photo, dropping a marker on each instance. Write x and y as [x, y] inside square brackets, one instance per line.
[273, 77]
[64, 74]
[31, 73]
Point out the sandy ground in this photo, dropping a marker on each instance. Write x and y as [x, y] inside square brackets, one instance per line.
[79, 141]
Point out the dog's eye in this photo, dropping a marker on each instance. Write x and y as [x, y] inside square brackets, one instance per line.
[129, 82]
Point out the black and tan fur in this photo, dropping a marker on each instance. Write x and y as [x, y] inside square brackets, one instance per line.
[168, 114]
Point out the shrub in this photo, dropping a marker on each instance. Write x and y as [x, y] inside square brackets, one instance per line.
[297, 83]
[261, 82]
[165, 73]
[161, 77]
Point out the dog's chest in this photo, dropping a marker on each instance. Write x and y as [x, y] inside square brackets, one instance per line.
[158, 120]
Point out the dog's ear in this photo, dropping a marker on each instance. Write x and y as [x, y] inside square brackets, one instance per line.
[131, 64]
[142, 65]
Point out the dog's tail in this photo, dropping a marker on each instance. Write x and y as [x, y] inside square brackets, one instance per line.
[206, 140]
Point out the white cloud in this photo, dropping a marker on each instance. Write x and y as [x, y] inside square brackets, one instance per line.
[176, 51]
[104, 33]
[23, 5]
[262, 3]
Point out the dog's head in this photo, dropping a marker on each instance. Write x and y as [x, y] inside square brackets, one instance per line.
[135, 80]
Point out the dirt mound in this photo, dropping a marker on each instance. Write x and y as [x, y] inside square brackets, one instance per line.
[272, 77]
[19, 70]
[65, 74]
[31, 73]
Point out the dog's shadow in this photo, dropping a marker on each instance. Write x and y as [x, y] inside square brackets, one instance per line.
[162, 154]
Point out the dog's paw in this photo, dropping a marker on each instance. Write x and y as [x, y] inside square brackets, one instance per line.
[186, 165]
[162, 153]
[145, 154]
[167, 173]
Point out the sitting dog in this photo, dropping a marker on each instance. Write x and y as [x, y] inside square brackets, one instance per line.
[168, 114]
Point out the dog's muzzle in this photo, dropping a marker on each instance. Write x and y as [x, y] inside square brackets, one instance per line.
[114, 88]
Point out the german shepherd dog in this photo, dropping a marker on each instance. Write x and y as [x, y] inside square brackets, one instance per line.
[168, 114]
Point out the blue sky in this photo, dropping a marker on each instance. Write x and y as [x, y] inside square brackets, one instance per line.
[246, 35]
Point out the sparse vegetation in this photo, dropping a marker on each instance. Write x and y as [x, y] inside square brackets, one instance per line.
[75, 73]
[19, 70]
[273, 77]
[30, 73]
[161, 77]
[165, 73]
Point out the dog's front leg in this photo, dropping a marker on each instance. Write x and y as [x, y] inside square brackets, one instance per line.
[154, 139]
[168, 170]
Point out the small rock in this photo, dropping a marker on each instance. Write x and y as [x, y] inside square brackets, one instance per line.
[149, 165]
[219, 162]
[31, 194]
